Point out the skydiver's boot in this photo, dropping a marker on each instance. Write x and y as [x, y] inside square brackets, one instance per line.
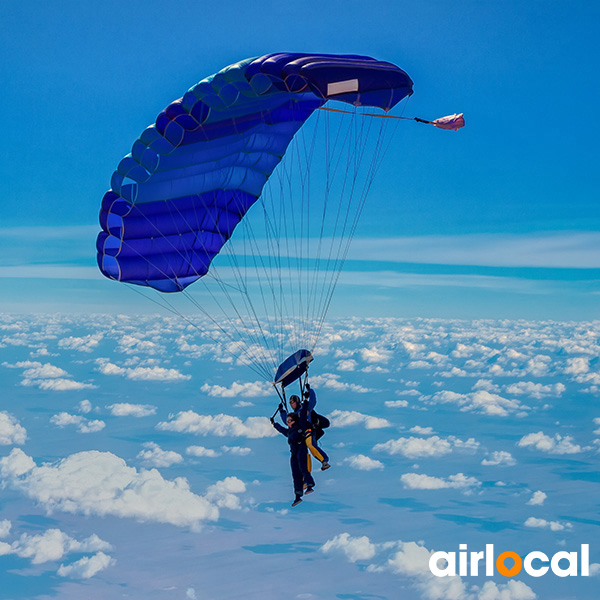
[325, 465]
[309, 490]
[297, 501]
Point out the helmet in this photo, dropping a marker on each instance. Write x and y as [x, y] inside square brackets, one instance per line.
[295, 399]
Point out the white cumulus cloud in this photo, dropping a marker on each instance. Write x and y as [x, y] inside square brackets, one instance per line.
[243, 404]
[220, 425]
[537, 499]
[57, 385]
[553, 445]
[5, 527]
[11, 431]
[132, 344]
[87, 343]
[52, 545]
[236, 450]
[201, 452]
[499, 458]
[125, 409]
[363, 463]
[36, 370]
[247, 390]
[85, 407]
[535, 390]
[155, 456]
[418, 481]
[421, 430]
[48, 377]
[331, 381]
[354, 548]
[82, 424]
[347, 365]
[224, 493]
[397, 403]
[86, 567]
[416, 447]
[543, 524]
[577, 366]
[153, 373]
[375, 355]
[344, 418]
[430, 447]
[100, 483]
[479, 401]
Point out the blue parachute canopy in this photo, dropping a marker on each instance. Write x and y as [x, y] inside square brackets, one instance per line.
[293, 367]
[192, 176]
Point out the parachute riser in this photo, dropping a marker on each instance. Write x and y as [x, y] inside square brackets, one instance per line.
[282, 399]
[303, 384]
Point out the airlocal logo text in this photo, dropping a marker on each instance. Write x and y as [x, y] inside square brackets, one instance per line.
[509, 563]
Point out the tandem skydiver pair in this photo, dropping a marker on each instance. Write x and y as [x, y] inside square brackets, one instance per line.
[304, 428]
[304, 425]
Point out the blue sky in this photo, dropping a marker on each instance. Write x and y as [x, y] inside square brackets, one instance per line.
[459, 364]
[85, 81]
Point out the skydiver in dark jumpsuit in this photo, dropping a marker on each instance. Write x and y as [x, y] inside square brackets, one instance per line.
[304, 410]
[298, 460]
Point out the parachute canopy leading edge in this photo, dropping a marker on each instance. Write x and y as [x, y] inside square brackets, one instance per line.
[191, 177]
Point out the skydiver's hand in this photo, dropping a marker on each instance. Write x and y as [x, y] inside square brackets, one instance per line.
[280, 407]
[272, 421]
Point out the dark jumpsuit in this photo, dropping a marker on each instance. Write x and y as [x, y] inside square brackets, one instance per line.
[303, 411]
[298, 458]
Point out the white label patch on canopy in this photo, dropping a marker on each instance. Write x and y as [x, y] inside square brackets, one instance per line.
[342, 87]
